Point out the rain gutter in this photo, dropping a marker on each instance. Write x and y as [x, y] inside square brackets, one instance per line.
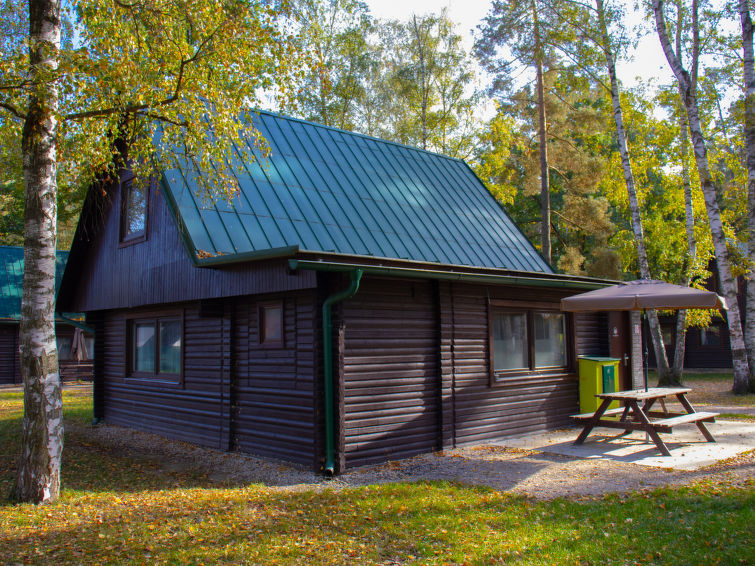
[295, 264]
[327, 346]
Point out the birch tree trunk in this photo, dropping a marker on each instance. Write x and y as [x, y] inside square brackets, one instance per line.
[749, 78]
[38, 477]
[681, 316]
[634, 205]
[689, 215]
[728, 284]
[545, 191]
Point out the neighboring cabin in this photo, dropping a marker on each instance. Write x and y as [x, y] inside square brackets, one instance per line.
[705, 348]
[71, 338]
[209, 315]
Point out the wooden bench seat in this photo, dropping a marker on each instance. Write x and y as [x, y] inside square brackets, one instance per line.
[684, 419]
[608, 413]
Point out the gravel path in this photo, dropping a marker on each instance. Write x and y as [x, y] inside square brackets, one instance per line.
[536, 474]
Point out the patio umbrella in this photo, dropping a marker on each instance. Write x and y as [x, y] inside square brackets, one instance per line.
[643, 294]
[640, 295]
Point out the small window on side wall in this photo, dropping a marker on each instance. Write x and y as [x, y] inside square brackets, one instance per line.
[155, 348]
[135, 200]
[710, 336]
[270, 322]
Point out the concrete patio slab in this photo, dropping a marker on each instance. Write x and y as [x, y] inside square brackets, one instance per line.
[689, 450]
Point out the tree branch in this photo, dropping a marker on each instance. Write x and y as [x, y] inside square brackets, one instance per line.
[13, 110]
[134, 108]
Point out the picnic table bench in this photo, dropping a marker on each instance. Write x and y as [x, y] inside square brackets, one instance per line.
[640, 417]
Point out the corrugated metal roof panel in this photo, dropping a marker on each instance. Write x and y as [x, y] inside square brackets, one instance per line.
[12, 278]
[328, 190]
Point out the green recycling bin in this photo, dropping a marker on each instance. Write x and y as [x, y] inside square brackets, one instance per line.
[596, 375]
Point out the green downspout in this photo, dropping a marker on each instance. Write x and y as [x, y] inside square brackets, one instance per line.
[327, 347]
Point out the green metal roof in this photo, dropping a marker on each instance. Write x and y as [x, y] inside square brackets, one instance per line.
[327, 190]
[12, 278]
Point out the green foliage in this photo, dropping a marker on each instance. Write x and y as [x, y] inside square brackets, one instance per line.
[406, 81]
[151, 81]
[578, 143]
[333, 37]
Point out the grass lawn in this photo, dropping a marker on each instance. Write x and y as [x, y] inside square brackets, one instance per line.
[117, 511]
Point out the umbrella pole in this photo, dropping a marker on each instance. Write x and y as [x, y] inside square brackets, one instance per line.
[644, 351]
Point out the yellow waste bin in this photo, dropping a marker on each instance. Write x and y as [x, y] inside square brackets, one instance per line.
[596, 375]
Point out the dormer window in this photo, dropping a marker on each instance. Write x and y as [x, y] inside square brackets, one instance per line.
[135, 196]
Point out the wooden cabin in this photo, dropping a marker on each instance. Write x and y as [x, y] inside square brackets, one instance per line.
[357, 301]
[75, 345]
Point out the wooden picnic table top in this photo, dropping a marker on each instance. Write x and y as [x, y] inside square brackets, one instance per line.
[638, 417]
[642, 395]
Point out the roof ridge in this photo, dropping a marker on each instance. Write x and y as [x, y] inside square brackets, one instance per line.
[357, 134]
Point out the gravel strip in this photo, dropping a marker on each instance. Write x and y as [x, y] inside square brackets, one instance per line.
[535, 474]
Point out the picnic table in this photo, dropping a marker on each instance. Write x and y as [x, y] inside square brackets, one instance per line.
[641, 417]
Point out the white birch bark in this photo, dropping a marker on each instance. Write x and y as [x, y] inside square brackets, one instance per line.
[634, 205]
[681, 316]
[728, 284]
[749, 79]
[38, 478]
[689, 214]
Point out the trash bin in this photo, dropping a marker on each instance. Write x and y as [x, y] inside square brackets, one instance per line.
[596, 375]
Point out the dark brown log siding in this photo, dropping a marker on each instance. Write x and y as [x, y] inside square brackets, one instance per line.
[10, 368]
[591, 329]
[194, 412]
[9, 371]
[158, 270]
[273, 389]
[515, 406]
[390, 371]
[254, 399]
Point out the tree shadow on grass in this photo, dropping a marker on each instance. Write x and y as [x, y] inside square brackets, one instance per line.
[396, 524]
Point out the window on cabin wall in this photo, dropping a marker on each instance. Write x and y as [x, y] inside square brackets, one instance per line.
[525, 341]
[270, 324]
[155, 347]
[711, 336]
[135, 200]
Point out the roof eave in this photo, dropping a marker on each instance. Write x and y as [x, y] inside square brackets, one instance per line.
[453, 273]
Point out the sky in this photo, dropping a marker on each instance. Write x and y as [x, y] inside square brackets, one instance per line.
[648, 60]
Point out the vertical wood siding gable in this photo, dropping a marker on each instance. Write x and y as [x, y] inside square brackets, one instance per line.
[9, 354]
[158, 270]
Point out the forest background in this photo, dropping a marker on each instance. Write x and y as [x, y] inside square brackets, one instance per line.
[413, 82]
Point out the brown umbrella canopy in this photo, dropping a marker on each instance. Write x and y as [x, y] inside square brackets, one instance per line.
[643, 294]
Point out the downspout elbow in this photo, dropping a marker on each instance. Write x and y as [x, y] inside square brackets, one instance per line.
[327, 342]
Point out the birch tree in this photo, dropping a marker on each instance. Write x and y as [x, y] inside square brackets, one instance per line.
[158, 79]
[686, 82]
[427, 85]
[634, 205]
[680, 332]
[334, 37]
[748, 63]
